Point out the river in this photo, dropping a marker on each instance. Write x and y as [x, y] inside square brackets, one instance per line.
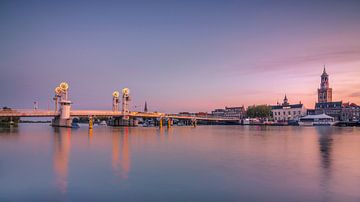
[205, 163]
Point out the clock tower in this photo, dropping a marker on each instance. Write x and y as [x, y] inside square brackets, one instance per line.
[324, 92]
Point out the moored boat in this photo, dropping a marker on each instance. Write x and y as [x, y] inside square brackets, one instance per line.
[317, 120]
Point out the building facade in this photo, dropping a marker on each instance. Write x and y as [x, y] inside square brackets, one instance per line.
[218, 112]
[350, 112]
[325, 104]
[333, 109]
[324, 92]
[287, 112]
[232, 112]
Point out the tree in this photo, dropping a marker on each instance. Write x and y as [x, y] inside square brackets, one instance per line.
[260, 111]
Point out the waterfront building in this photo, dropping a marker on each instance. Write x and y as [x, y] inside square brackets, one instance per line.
[310, 112]
[333, 109]
[350, 112]
[324, 92]
[187, 113]
[201, 114]
[287, 112]
[235, 112]
[325, 104]
[230, 112]
[218, 112]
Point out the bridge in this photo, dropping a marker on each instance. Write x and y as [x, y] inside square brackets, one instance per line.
[63, 115]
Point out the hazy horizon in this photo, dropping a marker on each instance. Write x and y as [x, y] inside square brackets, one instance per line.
[178, 55]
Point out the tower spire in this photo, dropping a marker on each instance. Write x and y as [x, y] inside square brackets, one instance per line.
[286, 101]
[145, 107]
[324, 92]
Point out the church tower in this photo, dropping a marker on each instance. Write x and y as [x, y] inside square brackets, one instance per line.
[145, 107]
[286, 101]
[324, 92]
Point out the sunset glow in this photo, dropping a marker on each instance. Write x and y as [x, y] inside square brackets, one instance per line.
[188, 56]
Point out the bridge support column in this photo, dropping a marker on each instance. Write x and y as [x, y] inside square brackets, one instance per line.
[9, 121]
[194, 122]
[59, 122]
[160, 122]
[91, 122]
[123, 121]
[64, 120]
[169, 123]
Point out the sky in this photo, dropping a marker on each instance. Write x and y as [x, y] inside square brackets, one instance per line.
[178, 55]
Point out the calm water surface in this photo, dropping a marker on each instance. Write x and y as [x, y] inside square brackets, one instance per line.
[207, 163]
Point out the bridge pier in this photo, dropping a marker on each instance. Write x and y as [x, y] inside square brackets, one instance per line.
[169, 122]
[118, 121]
[91, 122]
[122, 121]
[133, 122]
[9, 121]
[160, 122]
[59, 122]
[64, 120]
[194, 122]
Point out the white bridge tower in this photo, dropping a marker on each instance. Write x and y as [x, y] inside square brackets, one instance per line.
[62, 98]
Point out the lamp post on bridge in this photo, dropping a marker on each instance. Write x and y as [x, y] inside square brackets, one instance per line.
[57, 95]
[115, 95]
[125, 100]
[62, 98]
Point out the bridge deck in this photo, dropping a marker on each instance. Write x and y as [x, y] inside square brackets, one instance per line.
[86, 113]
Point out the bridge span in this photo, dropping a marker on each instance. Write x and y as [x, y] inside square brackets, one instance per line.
[107, 113]
[63, 114]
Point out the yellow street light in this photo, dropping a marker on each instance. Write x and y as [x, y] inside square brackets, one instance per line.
[64, 86]
[116, 94]
[125, 91]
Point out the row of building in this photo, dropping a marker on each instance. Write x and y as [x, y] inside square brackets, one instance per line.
[286, 112]
[339, 110]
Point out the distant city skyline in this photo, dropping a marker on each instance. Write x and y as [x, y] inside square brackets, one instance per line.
[178, 55]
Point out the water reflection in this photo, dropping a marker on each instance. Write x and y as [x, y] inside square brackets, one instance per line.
[62, 146]
[325, 147]
[121, 164]
[221, 163]
[90, 133]
[325, 143]
[9, 130]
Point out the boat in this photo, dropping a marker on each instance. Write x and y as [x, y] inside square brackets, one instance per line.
[103, 123]
[75, 125]
[317, 120]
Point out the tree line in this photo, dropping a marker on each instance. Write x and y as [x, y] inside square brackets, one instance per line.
[259, 111]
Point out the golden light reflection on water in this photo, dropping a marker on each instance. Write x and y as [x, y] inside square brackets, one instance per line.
[90, 132]
[62, 147]
[121, 163]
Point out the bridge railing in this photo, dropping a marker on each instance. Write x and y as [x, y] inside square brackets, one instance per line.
[43, 112]
[24, 110]
[203, 116]
[27, 113]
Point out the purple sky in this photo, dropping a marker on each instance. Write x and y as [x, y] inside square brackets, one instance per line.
[178, 55]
